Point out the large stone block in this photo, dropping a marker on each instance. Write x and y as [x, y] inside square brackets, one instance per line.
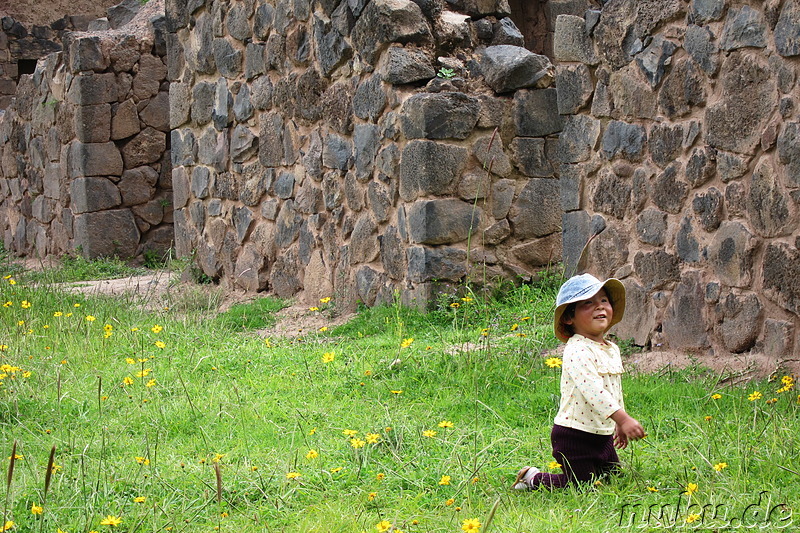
[537, 209]
[137, 186]
[93, 123]
[640, 315]
[787, 30]
[657, 270]
[744, 27]
[536, 113]
[146, 147]
[370, 99]
[739, 320]
[571, 41]
[789, 152]
[364, 246]
[536, 253]
[708, 208]
[106, 234]
[403, 65]
[732, 254]
[450, 115]
[668, 191]
[93, 89]
[125, 120]
[430, 168]
[86, 54]
[702, 48]
[94, 159]
[685, 318]
[612, 194]
[508, 68]
[624, 139]
[781, 276]
[428, 264]
[444, 221]
[575, 88]
[632, 95]
[488, 150]
[578, 141]
[388, 21]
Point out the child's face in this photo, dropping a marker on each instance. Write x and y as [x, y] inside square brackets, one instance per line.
[592, 317]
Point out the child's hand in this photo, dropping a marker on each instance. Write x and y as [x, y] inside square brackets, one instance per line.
[628, 429]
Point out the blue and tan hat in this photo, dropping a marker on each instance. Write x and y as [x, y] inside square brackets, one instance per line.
[583, 287]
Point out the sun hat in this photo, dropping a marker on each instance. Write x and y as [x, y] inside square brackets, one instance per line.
[583, 287]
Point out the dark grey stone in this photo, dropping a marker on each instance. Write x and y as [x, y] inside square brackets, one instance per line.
[502, 195]
[298, 46]
[337, 107]
[686, 244]
[243, 144]
[255, 182]
[369, 99]
[309, 199]
[227, 58]
[106, 233]
[439, 116]
[388, 21]
[739, 320]
[497, 232]
[536, 113]
[364, 246]
[789, 152]
[781, 276]
[283, 276]
[430, 168]
[238, 23]
[653, 59]
[242, 222]
[732, 253]
[708, 207]
[685, 319]
[632, 95]
[736, 199]
[730, 166]
[287, 225]
[366, 142]
[574, 234]
[92, 89]
[651, 226]
[93, 194]
[537, 210]
[442, 221]
[225, 186]
[270, 140]
[404, 65]
[137, 185]
[368, 284]
[536, 253]
[223, 102]
[212, 149]
[531, 158]
[770, 212]
[612, 195]
[392, 253]
[242, 105]
[702, 166]
[254, 60]
[94, 159]
[183, 149]
[337, 152]
[262, 23]
[86, 54]
[262, 93]
[332, 192]
[312, 159]
[665, 142]
[683, 90]
[508, 68]
[203, 95]
[744, 27]
[93, 123]
[156, 112]
[310, 88]
[702, 48]
[787, 30]
[332, 49]
[640, 315]
[778, 338]
[571, 41]
[506, 32]
[201, 180]
[122, 13]
[579, 138]
[354, 193]
[388, 161]
[180, 187]
[575, 88]
[704, 11]
[624, 139]
[488, 150]
[571, 178]
[657, 270]
[284, 185]
[668, 192]
[144, 148]
[427, 264]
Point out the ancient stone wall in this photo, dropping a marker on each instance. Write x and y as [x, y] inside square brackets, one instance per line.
[316, 152]
[84, 161]
[681, 135]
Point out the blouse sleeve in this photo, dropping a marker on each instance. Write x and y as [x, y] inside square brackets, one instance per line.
[580, 364]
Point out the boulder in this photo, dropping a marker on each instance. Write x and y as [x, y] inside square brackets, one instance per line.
[450, 115]
[508, 68]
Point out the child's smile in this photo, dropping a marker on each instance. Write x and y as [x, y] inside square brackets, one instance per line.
[593, 317]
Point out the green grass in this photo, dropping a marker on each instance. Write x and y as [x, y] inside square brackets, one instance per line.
[150, 410]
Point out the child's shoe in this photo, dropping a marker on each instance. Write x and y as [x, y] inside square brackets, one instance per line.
[524, 477]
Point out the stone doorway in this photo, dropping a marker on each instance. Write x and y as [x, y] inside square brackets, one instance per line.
[531, 19]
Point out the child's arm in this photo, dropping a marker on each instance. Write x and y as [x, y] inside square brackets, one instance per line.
[628, 428]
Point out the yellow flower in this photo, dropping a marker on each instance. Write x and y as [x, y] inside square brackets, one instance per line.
[372, 495]
[771, 401]
[36, 509]
[720, 466]
[134, 330]
[450, 502]
[25, 304]
[692, 518]
[349, 432]
[313, 430]
[325, 300]
[380, 476]
[143, 373]
[111, 521]
[156, 329]
[151, 383]
[312, 454]
[707, 418]
[652, 489]
[396, 392]
[691, 488]
[90, 318]
[552, 465]
[8, 304]
[357, 443]
[471, 525]
[485, 332]
[10, 523]
[445, 480]
[130, 360]
[142, 460]
[76, 305]
[445, 424]
[11, 281]
[466, 299]
[755, 395]
[514, 327]
[21, 323]
[217, 457]
[407, 342]
[475, 480]
[327, 357]
[455, 305]
[3, 347]
[313, 308]
[108, 327]
[716, 396]
[383, 526]
[373, 438]
[127, 380]
[430, 433]
[292, 475]
[323, 328]
[139, 499]
[160, 344]
[337, 469]
[553, 362]
[268, 342]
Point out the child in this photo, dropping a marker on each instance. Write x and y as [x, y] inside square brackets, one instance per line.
[591, 418]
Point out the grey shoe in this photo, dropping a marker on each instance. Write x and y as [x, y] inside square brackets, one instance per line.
[524, 477]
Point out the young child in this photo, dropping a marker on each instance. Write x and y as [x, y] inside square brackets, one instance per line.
[591, 418]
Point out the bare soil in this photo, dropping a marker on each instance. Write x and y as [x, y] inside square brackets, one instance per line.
[43, 13]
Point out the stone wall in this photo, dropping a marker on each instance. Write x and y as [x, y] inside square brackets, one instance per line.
[681, 135]
[84, 161]
[315, 151]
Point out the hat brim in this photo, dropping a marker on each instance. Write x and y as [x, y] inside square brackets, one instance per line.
[615, 291]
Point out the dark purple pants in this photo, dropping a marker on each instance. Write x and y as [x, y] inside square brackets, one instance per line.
[583, 457]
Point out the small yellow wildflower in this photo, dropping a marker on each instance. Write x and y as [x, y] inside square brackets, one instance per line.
[313, 430]
[313, 308]
[76, 305]
[445, 480]
[151, 383]
[130, 360]
[691, 488]
[328, 357]
[430, 433]
[217, 457]
[323, 328]
[139, 499]
[455, 305]
[90, 318]
[652, 489]
[36, 509]
[111, 521]
[380, 476]
[108, 327]
[720, 466]
[357, 443]
[755, 395]
[471, 525]
[373, 438]
[553, 362]
[707, 418]
[407, 342]
[156, 329]
[372, 495]
[692, 518]
[552, 465]
[127, 380]
[325, 300]
[450, 502]
[349, 432]
[401, 392]
[337, 469]
[160, 344]
[312, 454]
[383, 526]
[292, 475]
[445, 424]
[25, 304]
[716, 396]
[514, 327]
[142, 460]
[771, 401]
[485, 332]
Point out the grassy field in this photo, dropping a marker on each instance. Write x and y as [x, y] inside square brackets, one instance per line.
[190, 421]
